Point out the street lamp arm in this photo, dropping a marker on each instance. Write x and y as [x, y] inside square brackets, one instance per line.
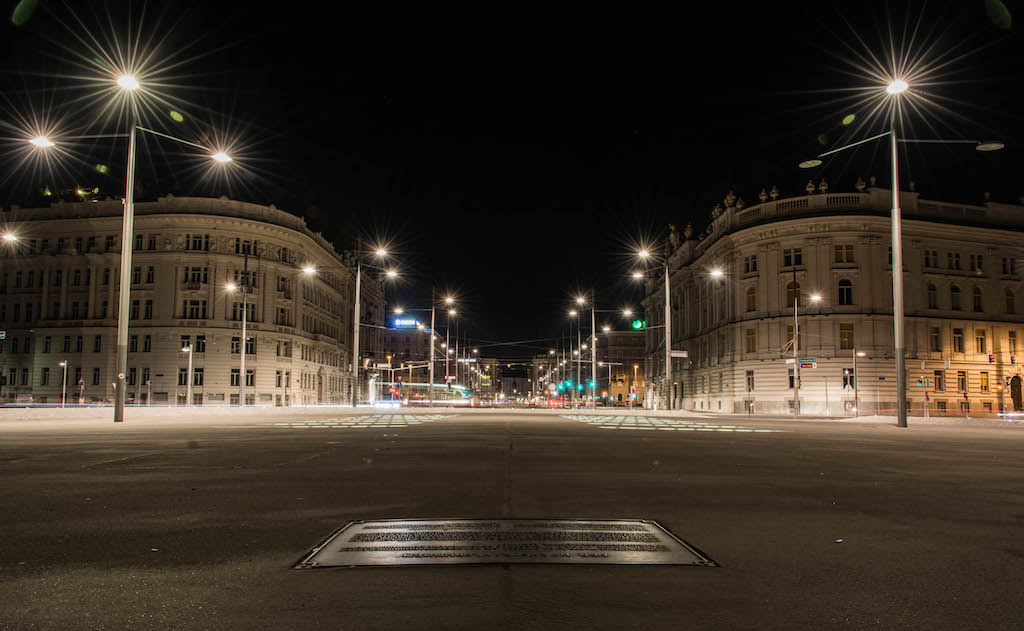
[938, 141]
[851, 146]
[169, 137]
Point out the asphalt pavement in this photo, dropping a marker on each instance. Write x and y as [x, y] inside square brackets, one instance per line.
[193, 519]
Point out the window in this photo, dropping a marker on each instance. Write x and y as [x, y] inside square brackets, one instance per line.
[958, 340]
[234, 377]
[961, 381]
[47, 344]
[106, 275]
[977, 262]
[186, 341]
[845, 292]
[979, 341]
[108, 243]
[103, 309]
[151, 245]
[76, 309]
[24, 376]
[197, 310]
[138, 242]
[133, 344]
[792, 293]
[28, 312]
[183, 376]
[145, 376]
[1012, 341]
[984, 381]
[132, 376]
[751, 299]
[60, 245]
[250, 345]
[282, 315]
[751, 340]
[236, 345]
[750, 381]
[200, 346]
[844, 254]
[76, 278]
[846, 338]
[150, 274]
[197, 242]
[90, 244]
[1011, 302]
[1009, 266]
[791, 378]
[954, 298]
[934, 340]
[940, 406]
[792, 256]
[933, 296]
[976, 299]
[939, 380]
[134, 313]
[148, 313]
[277, 379]
[67, 343]
[95, 376]
[931, 258]
[250, 377]
[147, 343]
[136, 275]
[44, 379]
[197, 377]
[953, 260]
[31, 282]
[58, 278]
[750, 264]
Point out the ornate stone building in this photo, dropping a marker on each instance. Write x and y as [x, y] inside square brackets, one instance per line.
[832, 250]
[59, 297]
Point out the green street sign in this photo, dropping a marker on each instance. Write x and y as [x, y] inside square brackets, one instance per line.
[3, 335]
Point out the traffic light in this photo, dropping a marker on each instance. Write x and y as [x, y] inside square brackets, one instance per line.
[920, 381]
[1013, 360]
[639, 324]
[448, 384]
[591, 383]
[991, 358]
[569, 383]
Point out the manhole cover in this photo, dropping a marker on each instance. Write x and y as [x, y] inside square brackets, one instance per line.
[457, 541]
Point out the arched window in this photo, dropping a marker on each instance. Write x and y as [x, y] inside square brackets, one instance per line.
[792, 293]
[976, 300]
[1011, 302]
[845, 292]
[933, 296]
[954, 298]
[751, 299]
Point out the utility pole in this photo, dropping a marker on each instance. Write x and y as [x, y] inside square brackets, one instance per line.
[796, 338]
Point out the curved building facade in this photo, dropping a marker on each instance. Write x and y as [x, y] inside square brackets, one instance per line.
[831, 251]
[59, 297]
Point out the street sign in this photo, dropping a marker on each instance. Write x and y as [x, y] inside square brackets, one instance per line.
[790, 361]
[3, 335]
[680, 354]
[808, 362]
[382, 366]
[449, 377]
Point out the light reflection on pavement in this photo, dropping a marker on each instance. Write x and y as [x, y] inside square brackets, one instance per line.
[365, 421]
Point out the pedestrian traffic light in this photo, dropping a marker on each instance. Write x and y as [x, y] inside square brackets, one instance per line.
[991, 358]
[1013, 360]
[569, 383]
[448, 384]
[1007, 381]
[920, 381]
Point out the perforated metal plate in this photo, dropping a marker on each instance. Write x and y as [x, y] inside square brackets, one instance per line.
[466, 541]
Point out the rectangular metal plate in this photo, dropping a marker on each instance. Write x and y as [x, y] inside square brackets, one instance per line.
[466, 541]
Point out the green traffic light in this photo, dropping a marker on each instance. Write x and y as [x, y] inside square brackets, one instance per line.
[639, 324]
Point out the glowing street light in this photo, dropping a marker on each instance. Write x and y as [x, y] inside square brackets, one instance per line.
[392, 273]
[815, 298]
[381, 252]
[41, 142]
[716, 273]
[220, 156]
[638, 275]
[898, 86]
[128, 82]
[309, 269]
[10, 237]
[399, 310]
[643, 254]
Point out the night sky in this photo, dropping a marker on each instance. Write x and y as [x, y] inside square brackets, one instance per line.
[514, 155]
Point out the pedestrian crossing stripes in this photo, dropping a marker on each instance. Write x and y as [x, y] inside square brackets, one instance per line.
[607, 421]
[365, 421]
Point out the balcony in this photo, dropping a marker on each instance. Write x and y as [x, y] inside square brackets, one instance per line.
[193, 285]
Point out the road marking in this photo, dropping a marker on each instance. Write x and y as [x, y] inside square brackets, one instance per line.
[621, 422]
[364, 421]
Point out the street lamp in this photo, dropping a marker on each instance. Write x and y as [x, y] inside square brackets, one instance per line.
[894, 89]
[644, 254]
[64, 384]
[188, 379]
[10, 237]
[241, 367]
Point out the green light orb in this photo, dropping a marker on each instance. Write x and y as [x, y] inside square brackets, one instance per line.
[177, 117]
[23, 12]
[102, 168]
[849, 118]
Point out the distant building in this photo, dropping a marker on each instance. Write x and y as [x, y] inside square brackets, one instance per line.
[962, 265]
[59, 301]
[622, 355]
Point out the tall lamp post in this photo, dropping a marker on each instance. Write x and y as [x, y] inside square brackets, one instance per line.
[644, 254]
[64, 383]
[894, 89]
[188, 379]
[129, 84]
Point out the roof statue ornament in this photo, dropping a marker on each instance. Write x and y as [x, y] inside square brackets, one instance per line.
[716, 211]
[730, 199]
[774, 194]
[860, 185]
[913, 186]
[763, 195]
[873, 180]
[740, 204]
[810, 187]
[823, 187]
[673, 236]
[688, 230]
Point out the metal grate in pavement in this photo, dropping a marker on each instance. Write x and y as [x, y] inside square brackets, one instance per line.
[390, 542]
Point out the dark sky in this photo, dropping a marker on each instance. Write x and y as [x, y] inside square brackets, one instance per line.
[514, 154]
